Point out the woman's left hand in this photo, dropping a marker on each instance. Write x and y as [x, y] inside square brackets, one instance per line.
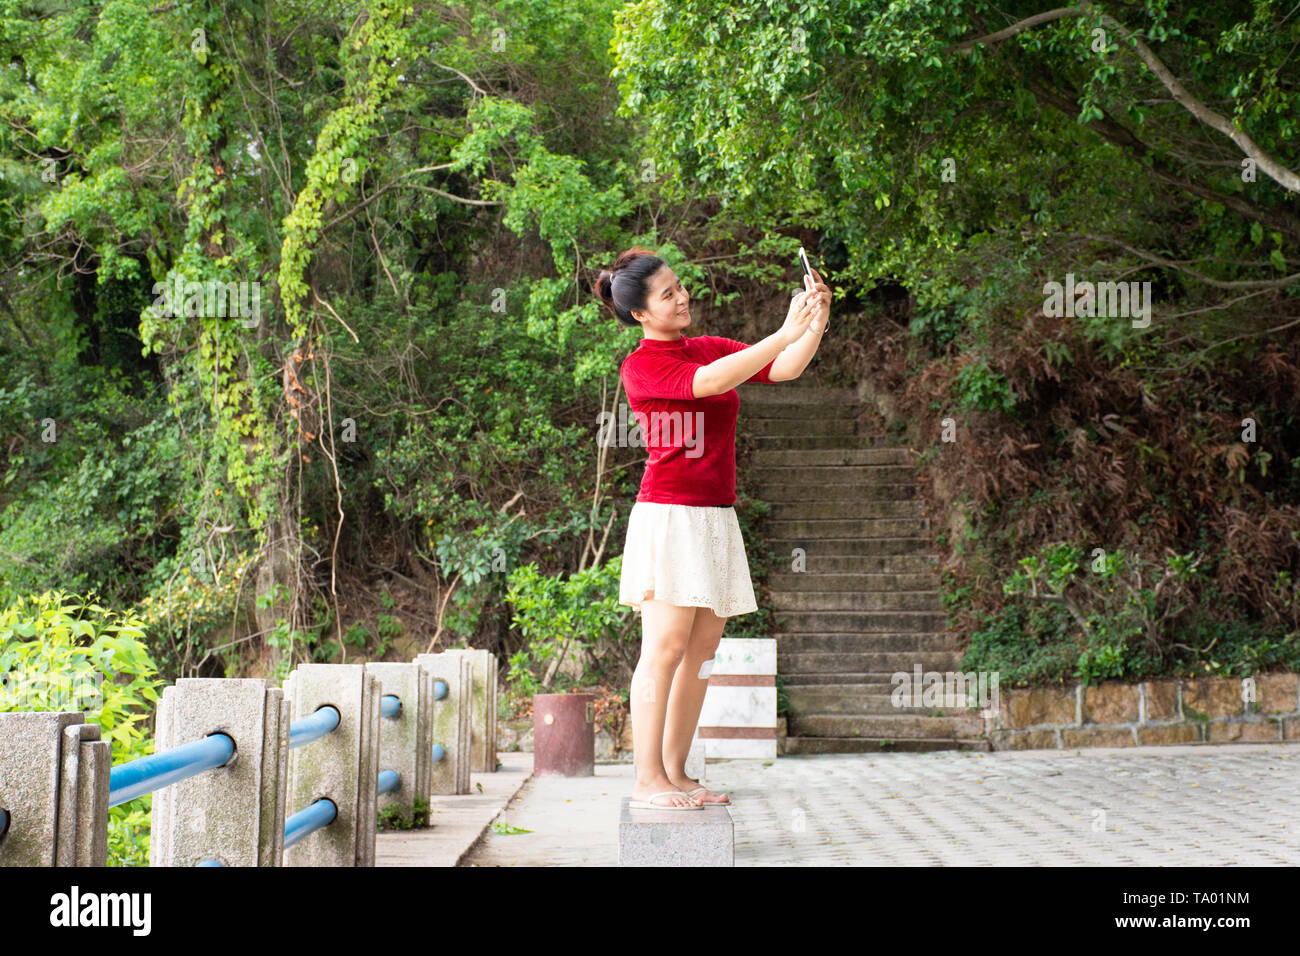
[821, 294]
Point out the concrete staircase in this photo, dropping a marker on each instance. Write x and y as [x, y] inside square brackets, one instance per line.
[867, 604]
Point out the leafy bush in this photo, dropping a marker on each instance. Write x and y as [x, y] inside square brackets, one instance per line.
[1119, 617]
[978, 386]
[1024, 644]
[58, 652]
[557, 615]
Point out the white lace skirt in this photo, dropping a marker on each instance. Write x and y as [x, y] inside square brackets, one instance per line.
[687, 555]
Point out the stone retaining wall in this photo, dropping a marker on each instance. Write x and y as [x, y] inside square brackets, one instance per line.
[1113, 714]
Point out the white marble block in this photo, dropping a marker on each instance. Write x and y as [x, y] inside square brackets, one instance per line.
[739, 714]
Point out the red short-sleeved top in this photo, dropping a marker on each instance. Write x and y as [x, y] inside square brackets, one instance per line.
[691, 441]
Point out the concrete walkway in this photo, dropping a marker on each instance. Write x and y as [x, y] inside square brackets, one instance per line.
[458, 821]
[1232, 805]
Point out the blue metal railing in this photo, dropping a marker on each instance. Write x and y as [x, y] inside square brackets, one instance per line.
[306, 822]
[147, 774]
[138, 777]
[309, 729]
[324, 812]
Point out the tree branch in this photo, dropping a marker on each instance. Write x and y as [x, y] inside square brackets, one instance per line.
[1286, 178]
[1026, 24]
[1113, 132]
[1270, 166]
[1261, 284]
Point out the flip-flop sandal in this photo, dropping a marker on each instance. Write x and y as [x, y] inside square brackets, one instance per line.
[716, 803]
[647, 805]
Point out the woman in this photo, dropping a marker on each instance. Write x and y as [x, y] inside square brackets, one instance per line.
[684, 564]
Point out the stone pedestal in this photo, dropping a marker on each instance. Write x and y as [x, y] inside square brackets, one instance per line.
[675, 837]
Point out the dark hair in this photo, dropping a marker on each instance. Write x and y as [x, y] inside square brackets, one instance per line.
[633, 270]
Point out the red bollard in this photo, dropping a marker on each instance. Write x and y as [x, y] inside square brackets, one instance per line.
[564, 735]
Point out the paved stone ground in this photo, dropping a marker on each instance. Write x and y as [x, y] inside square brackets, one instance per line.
[1229, 805]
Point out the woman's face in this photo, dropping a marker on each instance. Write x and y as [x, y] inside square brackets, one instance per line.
[667, 306]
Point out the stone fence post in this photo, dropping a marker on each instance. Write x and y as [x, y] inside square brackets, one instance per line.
[483, 709]
[405, 742]
[342, 766]
[450, 726]
[233, 815]
[54, 774]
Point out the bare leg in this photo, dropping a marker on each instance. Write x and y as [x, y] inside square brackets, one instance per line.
[686, 699]
[665, 633]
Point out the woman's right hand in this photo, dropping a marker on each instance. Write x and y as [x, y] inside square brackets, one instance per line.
[802, 309]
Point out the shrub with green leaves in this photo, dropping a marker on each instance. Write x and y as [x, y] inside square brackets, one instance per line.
[558, 615]
[60, 653]
[1117, 616]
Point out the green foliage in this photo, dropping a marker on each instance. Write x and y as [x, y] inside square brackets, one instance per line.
[750, 513]
[189, 603]
[502, 828]
[400, 816]
[59, 652]
[977, 386]
[367, 192]
[558, 615]
[1023, 644]
[963, 172]
[373, 60]
[936, 327]
[1118, 616]
[91, 483]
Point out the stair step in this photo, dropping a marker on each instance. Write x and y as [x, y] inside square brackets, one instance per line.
[846, 527]
[818, 562]
[826, 622]
[889, 726]
[872, 687]
[868, 679]
[765, 443]
[786, 393]
[810, 580]
[844, 699]
[845, 662]
[855, 601]
[810, 506]
[848, 549]
[795, 746]
[916, 643]
[814, 424]
[752, 407]
[789, 491]
[777, 458]
[819, 476]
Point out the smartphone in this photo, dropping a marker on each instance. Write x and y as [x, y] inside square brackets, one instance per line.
[803, 257]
